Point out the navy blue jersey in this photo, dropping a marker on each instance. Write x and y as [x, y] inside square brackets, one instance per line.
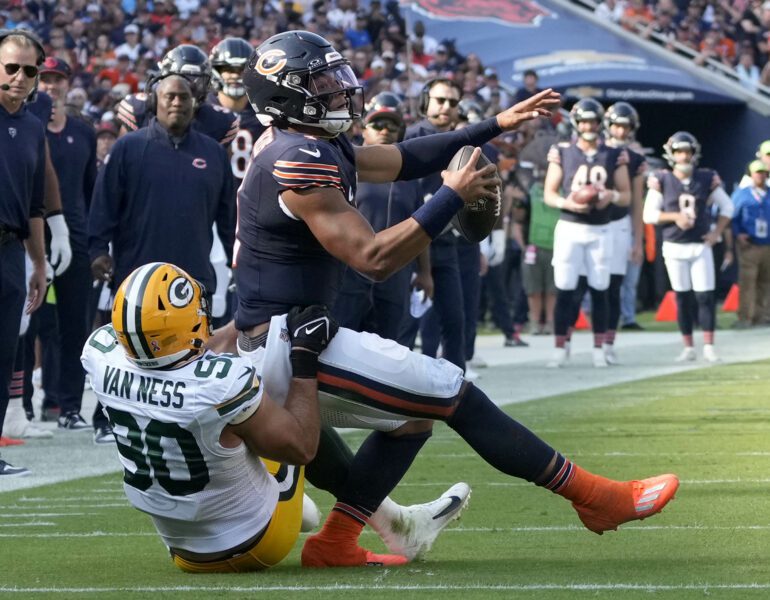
[240, 147]
[430, 184]
[214, 121]
[637, 166]
[579, 169]
[156, 199]
[691, 196]
[22, 169]
[73, 153]
[42, 107]
[385, 204]
[278, 261]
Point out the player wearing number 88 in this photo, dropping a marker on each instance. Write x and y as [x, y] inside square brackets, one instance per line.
[681, 200]
[582, 242]
[188, 431]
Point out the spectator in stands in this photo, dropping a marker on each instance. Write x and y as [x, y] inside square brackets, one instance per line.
[610, 10]
[662, 26]
[120, 74]
[716, 46]
[106, 136]
[358, 35]
[429, 44]
[637, 15]
[750, 226]
[492, 88]
[440, 63]
[530, 88]
[131, 47]
[748, 72]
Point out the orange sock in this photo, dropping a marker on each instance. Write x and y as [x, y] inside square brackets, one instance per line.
[336, 545]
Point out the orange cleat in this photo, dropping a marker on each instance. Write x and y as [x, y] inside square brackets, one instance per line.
[7, 441]
[319, 552]
[621, 502]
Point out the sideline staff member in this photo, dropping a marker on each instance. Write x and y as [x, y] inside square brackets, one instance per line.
[22, 179]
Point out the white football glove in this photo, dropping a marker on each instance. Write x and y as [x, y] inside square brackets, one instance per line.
[61, 252]
[496, 247]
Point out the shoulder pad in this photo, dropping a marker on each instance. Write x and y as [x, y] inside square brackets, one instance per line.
[307, 162]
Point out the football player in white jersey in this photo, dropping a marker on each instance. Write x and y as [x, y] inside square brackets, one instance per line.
[197, 434]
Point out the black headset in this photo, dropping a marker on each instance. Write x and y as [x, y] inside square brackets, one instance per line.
[4, 33]
[425, 92]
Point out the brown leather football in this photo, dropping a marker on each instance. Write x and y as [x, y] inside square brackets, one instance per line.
[475, 220]
[587, 194]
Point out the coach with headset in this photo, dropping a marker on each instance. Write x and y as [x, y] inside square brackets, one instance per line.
[438, 103]
[160, 192]
[22, 180]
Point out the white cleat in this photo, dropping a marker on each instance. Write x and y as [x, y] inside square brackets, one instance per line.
[687, 355]
[609, 354]
[600, 362]
[559, 358]
[17, 426]
[311, 516]
[411, 530]
[568, 348]
[710, 355]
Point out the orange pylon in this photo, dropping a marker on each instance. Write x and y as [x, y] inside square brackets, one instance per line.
[582, 322]
[667, 308]
[732, 300]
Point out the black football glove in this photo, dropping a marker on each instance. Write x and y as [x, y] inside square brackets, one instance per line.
[310, 331]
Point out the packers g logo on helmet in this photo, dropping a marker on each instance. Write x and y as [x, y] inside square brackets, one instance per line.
[161, 316]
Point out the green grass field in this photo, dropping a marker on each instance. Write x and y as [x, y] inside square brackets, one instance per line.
[710, 426]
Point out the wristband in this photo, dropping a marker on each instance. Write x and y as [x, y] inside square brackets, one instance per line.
[615, 196]
[436, 213]
[560, 202]
[304, 364]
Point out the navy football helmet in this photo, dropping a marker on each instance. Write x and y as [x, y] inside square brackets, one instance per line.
[191, 62]
[231, 54]
[586, 109]
[622, 113]
[681, 140]
[298, 78]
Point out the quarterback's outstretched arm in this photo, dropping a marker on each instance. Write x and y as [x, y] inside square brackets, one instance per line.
[346, 234]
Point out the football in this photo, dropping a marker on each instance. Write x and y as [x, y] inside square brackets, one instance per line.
[587, 194]
[474, 221]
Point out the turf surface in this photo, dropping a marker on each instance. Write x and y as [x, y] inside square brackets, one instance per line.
[710, 426]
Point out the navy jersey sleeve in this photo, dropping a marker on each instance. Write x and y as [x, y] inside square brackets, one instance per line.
[307, 165]
[106, 203]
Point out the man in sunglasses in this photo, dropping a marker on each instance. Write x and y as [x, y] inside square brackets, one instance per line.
[363, 304]
[22, 179]
[439, 107]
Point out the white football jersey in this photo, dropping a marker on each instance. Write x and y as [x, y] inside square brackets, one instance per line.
[202, 496]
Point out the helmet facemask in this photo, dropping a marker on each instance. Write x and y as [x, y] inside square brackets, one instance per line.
[334, 99]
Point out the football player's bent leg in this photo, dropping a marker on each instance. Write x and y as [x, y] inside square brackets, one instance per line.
[602, 504]
[378, 466]
[277, 539]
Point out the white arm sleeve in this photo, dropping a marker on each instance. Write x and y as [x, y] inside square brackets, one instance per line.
[653, 203]
[722, 200]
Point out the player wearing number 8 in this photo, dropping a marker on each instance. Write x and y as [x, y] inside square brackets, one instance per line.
[680, 200]
[192, 425]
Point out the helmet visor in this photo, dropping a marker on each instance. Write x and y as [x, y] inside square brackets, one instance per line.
[337, 91]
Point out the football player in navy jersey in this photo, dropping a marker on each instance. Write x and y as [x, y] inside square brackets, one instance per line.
[228, 60]
[298, 227]
[582, 243]
[680, 200]
[620, 123]
[134, 112]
